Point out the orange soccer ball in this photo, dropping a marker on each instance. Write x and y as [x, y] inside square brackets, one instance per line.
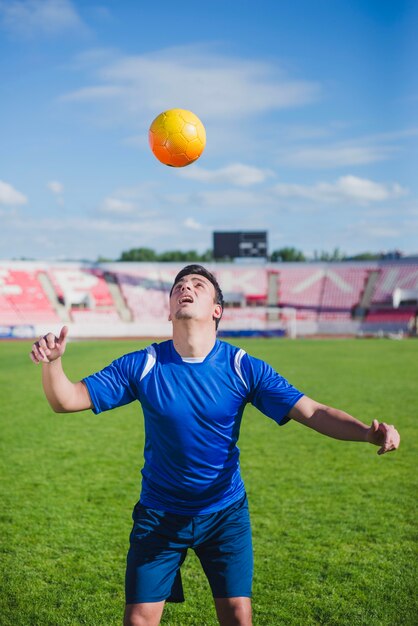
[177, 137]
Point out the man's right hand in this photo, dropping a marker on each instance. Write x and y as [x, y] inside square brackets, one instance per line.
[49, 347]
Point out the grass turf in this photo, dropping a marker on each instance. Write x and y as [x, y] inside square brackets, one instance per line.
[333, 523]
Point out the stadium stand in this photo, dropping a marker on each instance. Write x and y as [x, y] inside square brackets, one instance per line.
[131, 299]
[22, 298]
[84, 292]
[144, 288]
[387, 313]
[301, 287]
[391, 315]
[342, 290]
[76, 284]
[145, 303]
[247, 285]
[391, 277]
[94, 316]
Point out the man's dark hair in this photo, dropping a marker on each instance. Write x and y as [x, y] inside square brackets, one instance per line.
[202, 271]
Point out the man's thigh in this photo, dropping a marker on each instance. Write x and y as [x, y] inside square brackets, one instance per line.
[153, 561]
[226, 552]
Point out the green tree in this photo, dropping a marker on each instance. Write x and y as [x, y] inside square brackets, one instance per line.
[178, 255]
[139, 254]
[336, 255]
[287, 255]
[365, 256]
[207, 257]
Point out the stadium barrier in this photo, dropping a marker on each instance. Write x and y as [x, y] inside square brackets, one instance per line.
[22, 331]
[88, 330]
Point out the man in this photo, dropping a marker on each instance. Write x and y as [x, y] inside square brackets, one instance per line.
[193, 390]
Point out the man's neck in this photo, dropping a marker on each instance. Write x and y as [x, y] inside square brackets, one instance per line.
[190, 340]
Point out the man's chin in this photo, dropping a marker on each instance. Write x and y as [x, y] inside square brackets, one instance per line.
[183, 315]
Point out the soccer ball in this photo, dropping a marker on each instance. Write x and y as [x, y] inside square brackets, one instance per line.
[177, 137]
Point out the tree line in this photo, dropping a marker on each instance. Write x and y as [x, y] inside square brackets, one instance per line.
[284, 255]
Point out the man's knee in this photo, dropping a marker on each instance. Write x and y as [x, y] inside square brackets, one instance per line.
[143, 614]
[134, 620]
[234, 611]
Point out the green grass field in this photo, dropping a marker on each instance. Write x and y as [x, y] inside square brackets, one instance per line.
[333, 523]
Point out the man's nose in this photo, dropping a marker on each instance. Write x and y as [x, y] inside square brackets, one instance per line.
[186, 286]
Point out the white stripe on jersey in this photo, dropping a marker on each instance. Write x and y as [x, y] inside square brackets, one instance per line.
[237, 364]
[151, 359]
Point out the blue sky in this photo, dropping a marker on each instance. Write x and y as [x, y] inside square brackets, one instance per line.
[309, 108]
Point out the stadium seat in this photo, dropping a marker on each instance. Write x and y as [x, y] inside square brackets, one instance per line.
[22, 298]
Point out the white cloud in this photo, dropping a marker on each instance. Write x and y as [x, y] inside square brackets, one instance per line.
[141, 200]
[234, 174]
[367, 230]
[344, 189]
[56, 187]
[379, 232]
[31, 17]
[337, 155]
[305, 132]
[229, 199]
[270, 202]
[90, 225]
[405, 133]
[83, 236]
[196, 78]
[138, 141]
[116, 205]
[266, 202]
[365, 190]
[354, 152]
[191, 223]
[10, 196]
[101, 92]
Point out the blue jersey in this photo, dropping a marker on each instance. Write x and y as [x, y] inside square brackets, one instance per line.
[192, 413]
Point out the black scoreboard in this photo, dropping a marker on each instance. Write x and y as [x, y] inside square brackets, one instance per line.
[236, 244]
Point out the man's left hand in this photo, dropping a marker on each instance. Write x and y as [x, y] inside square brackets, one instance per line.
[383, 435]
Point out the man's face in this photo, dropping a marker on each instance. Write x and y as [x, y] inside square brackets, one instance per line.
[193, 297]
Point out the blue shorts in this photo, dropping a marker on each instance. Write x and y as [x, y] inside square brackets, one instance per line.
[158, 546]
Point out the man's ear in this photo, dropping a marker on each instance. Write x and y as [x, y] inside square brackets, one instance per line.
[169, 317]
[217, 313]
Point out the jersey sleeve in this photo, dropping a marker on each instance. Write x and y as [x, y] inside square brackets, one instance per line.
[116, 384]
[269, 392]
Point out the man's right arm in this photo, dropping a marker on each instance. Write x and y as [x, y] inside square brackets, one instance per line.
[63, 395]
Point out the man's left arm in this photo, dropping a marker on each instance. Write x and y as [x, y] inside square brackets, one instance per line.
[340, 425]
